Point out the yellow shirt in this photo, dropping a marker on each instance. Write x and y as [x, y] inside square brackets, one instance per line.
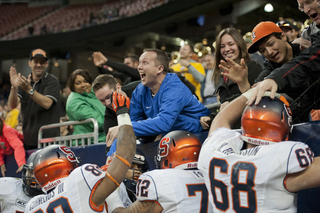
[189, 77]
[12, 118]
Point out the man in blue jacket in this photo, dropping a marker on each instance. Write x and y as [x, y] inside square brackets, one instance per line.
[161, 103]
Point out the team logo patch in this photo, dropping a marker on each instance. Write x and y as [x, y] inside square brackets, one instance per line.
[21, 203]
[163, 148]
[192, 165]
[38, 51]
[253, 36]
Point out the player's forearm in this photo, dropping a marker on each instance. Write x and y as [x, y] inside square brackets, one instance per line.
[230, 114]
[126, 143]
[309, 178]
[120, 210]
[126, 149]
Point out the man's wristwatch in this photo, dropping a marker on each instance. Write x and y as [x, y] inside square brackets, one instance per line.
[31, 92]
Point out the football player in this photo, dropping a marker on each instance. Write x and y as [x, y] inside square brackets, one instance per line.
[264, 176]
[82, 189]
[127, 189]
[177, 186]
[15, 193]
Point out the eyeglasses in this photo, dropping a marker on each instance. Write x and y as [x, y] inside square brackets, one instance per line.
[307, 3]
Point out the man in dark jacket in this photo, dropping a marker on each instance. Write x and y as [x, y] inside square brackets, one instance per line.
[127, 71]
[303, 96]
[293, 76]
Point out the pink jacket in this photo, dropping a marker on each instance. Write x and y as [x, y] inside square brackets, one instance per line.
[11, 142]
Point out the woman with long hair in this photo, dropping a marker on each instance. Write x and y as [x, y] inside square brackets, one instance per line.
[231, 52]
[231, 45]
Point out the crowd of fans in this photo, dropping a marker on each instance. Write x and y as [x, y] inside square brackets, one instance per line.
[149, 98]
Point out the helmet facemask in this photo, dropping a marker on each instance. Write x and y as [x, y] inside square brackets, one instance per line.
[30, 185]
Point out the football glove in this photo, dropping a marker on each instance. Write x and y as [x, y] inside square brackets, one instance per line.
[120, 103]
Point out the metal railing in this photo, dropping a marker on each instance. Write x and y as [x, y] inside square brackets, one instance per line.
[70, 140]
[213, 105]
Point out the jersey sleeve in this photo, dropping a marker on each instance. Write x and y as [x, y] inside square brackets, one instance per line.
[146, 188]
[300, 157]
[91, 174]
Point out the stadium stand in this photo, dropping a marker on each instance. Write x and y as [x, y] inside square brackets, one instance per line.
[17, 16]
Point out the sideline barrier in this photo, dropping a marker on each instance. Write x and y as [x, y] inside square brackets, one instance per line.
[70, 140]
[95, 153]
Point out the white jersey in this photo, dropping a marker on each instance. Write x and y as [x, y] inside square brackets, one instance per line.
[251, 180]
[12, 197]
[176, 190]
[72, 195]
[124, 195]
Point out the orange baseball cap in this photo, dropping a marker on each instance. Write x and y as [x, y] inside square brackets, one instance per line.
[260, 31]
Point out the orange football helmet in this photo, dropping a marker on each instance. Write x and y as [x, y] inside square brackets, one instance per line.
[268, 122]
[52, 164]
[178, 149]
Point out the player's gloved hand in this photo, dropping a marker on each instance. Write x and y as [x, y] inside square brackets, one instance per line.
[120, 103]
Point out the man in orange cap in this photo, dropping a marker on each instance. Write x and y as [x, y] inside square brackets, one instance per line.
[271, 42]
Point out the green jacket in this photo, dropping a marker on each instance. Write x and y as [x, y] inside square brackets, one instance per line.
[84, 106]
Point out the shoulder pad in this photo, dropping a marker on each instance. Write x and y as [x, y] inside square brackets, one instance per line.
[8, 185]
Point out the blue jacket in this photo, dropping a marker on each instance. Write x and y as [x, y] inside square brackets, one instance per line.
[172, 108]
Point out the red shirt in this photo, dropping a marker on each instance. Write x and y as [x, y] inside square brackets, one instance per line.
[11, 142]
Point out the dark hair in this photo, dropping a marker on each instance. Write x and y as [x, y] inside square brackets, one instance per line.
[103, 80]
[243, 53]
[83, 72]
[162, 58]
[133, 57]
[277, 35]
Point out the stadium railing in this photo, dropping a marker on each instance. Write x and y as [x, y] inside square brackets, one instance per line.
[70, 140]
